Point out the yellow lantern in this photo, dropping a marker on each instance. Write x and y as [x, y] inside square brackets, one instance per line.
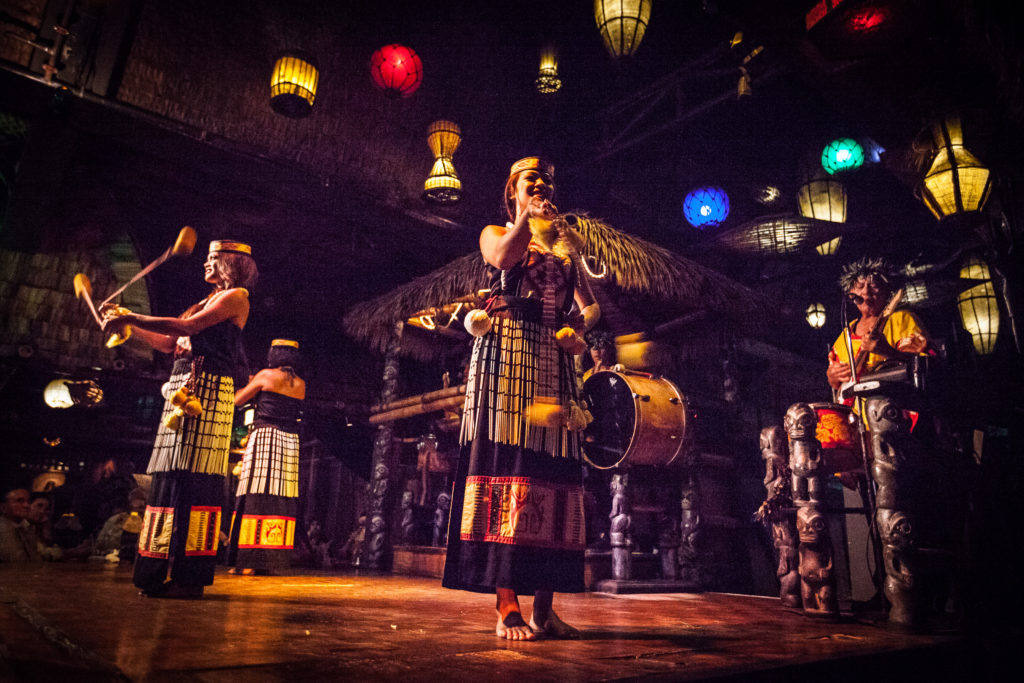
[957, 181]
[979, 309]
[443, 185]
[293, 85]
[823, 199]
[547, 81]
[622, 24]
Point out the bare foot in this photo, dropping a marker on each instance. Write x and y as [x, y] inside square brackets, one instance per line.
[512, 627]
[554, 627]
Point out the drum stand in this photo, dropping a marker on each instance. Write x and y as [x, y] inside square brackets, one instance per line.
[677, 533]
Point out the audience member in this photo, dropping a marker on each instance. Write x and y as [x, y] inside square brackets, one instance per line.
[18, 542]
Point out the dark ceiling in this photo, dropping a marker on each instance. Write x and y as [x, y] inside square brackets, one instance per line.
[332, 202]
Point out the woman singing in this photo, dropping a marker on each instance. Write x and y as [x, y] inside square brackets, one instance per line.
[181, 526]
[263, 526]
[517, 510]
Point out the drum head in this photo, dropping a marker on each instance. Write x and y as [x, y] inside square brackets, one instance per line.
[610, 401]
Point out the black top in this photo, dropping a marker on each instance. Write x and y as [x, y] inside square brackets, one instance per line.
[220, 347]
[277, 410]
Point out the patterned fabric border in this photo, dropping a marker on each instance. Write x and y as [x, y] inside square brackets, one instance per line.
[155, 538]
[203, 530]
[523, 512]
[266, 532]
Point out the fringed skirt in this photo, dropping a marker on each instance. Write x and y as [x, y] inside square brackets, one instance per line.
[263, 525]
[181, 527]
[517, 506]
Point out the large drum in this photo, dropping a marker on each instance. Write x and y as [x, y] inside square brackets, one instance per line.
[837, 433]
[638, 419]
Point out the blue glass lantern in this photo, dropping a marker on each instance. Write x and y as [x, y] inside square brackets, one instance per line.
[706, 207]
[844, 154]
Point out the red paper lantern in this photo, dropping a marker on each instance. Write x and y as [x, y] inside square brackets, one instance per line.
[397, 70]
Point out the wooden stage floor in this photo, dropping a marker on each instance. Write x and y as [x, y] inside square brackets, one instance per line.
[86, 622]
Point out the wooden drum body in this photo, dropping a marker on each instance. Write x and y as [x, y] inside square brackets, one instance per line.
[837, 433]
[638, 419]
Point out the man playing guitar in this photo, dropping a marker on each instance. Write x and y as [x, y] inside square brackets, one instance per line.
[879, 334]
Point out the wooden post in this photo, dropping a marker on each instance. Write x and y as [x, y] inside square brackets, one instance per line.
[378, 548]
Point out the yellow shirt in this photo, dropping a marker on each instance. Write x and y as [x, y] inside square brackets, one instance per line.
[903, 331]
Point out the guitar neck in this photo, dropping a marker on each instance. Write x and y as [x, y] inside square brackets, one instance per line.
[890, 307]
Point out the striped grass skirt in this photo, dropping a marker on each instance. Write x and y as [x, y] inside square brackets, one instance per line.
[517, 507]
[200, 444]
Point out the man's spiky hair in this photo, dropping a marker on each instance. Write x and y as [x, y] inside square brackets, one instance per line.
[863, 267]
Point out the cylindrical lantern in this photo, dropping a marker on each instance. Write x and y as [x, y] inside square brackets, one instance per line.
[957, 181]
[622, 24]
[443, 185]
[706, 207]
[823, 199]
[397, 70]
[547, 81]
[979, 308]
[844, 154]
[293, 85]
[815, 315]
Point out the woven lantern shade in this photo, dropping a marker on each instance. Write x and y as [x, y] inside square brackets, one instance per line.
[293, 85]
[622, 24]
[397, 70]
[823, 199]
[547, 81]
[815, 315]
[957, 181]
[443, 185]
[979, 308]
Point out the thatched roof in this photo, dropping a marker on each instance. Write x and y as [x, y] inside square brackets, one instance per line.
[634, 266]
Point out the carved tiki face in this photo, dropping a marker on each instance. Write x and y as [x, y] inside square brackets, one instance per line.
[810, 525]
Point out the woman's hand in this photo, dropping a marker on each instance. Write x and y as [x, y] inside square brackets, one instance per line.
[115, 318]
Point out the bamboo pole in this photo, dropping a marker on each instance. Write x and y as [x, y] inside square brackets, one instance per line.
[419, 398]
[416, 409]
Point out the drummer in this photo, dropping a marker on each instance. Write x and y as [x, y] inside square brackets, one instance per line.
[869, 284]
[602, 352]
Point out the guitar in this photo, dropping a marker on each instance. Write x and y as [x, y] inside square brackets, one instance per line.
[861, 359]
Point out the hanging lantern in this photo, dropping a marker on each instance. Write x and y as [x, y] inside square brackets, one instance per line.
[823, 199]
[979, 309]
[844, 154]
[829, 248]
[622, 24]
[443, 185]
[293, 85]
[957, 181]
[547, 81]
[706, 207]
[816, 315]
[397, 70]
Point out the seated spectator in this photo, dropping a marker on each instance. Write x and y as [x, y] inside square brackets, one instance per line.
[18, 542]
[40, 510]
[121, 530]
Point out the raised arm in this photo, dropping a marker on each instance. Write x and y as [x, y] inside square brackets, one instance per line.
[231, 304]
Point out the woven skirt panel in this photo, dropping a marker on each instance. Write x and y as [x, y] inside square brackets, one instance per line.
[270, 464]
[509, 366]
[201, 443]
